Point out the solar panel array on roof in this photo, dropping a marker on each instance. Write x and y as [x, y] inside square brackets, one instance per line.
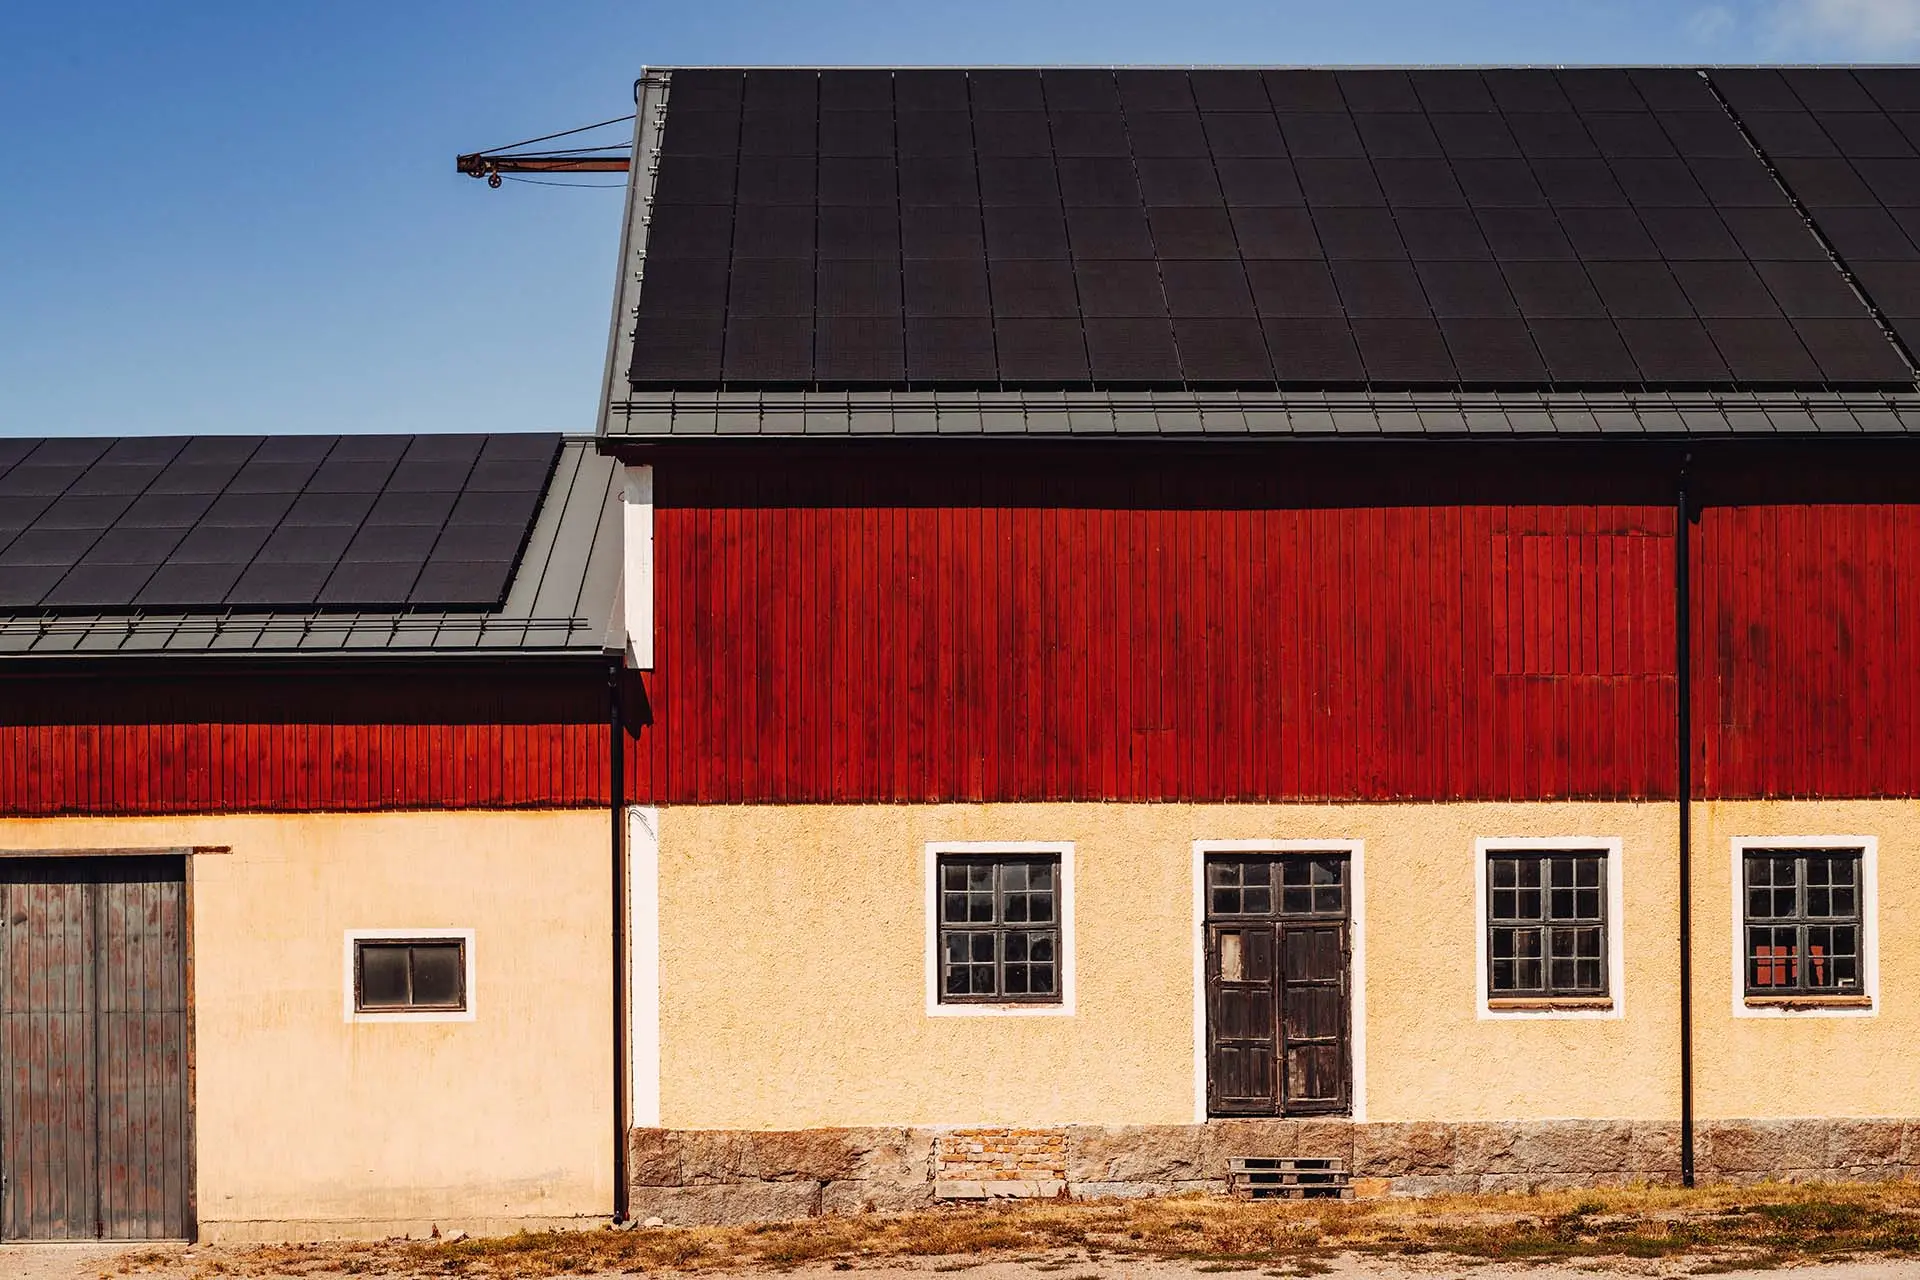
[1042, 228]
[250, 524]
[1847, 144]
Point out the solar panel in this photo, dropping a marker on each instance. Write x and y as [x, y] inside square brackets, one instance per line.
[1206, 289]
[1302, 91]
[1034, 290]
[1120, 289]
[1093, 181]
[946, 287]
[1582, 351]
[855, 181]
[1215, 350]
[1559, 202]
[1557, 290]
[177, 586]
[1380, 290]
[769, 349]
[1018, 182]
[1466, 289]
[1403, 351]
[1043, 352]
[856, 90]
[857, 133]
[1312, 352]
[1166, 134]
[102, 586]
[1012, 133]
[1088, 133]
[930, 90]
[1762, 351]
[707, 89]
[948, 349]
[1109, 232]
[858, 349]
[942, 232]
[1026, 231]
[1192, 232]
[1275, 233]
[1672, 350]
[1293, 289]
[1851, 349]
[1079, 89]
[1132, 350]
[934, 133]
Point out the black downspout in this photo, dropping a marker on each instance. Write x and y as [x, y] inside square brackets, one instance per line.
[617, 793]
[1683, 667]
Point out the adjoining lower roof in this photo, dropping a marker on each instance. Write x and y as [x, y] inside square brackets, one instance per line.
[1458, 230]
[559, 581]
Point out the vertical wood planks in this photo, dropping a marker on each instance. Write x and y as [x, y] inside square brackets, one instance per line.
[93, 1140]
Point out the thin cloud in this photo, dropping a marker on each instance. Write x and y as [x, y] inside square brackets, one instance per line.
[1711, 25]
[1870, 30]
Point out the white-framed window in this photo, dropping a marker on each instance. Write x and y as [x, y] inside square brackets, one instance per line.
[408, 975]
[1806, 936]
[1000, 928]
[1549, 925]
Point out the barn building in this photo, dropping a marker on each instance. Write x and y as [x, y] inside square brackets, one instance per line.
[1203, 613]
[1114, 620]
[305, 837]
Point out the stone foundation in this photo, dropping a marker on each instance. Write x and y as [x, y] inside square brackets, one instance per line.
[722, 1176]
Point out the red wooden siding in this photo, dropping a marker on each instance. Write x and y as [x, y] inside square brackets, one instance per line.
[1807, 650]
[1253, 630]
[451, 738]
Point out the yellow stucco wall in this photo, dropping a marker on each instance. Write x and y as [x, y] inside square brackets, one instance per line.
[310, 1124]
[1807, 1064]
[793, 968]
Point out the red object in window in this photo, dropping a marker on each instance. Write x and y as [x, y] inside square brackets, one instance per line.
[1774, 967]
[1817, 961]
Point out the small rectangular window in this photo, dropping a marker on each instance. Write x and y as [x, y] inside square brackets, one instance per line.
[1803, 922]
[1546, 924]
[999, 929]
[410, 975]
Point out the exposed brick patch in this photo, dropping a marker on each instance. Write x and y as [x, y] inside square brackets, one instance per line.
[981, 1163]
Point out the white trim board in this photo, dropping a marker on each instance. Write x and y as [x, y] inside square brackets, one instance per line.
[1063, 849]
[643, 958]
[1869, 847]
[1356, 851]
[1615, 850]
[636, 516]
[352, 1014]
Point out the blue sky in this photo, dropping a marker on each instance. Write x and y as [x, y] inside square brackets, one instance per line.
[243, 217]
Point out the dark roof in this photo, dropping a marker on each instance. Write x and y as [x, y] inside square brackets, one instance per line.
[505, 543]
[1084, 229]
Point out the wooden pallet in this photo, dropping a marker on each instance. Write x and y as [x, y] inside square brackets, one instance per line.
[1288, 1178]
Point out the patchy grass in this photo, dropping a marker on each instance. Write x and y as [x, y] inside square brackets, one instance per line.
[1716, 1229]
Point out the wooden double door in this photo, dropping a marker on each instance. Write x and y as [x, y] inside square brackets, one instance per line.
[1279, 984]
[94, 1126]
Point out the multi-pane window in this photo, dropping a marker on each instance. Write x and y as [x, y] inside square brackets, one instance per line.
[425, 975]
[1293, 885]
[1546, 924]
[1803, 922]
[1000, 929]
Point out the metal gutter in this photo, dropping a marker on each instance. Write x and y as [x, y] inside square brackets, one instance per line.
[1683, 666]
[616, 793]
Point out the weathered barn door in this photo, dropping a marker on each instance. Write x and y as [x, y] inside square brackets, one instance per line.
[1278, 980]
[93, 1048]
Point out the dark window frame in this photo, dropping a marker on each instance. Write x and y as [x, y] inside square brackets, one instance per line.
[1560, 910]
[457, 943]
[1793, 972]
[999, 928]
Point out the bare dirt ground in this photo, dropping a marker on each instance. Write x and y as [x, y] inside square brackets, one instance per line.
[1834, 1232]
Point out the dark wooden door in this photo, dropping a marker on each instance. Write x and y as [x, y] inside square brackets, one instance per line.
[93, 1049]
[1278, 985]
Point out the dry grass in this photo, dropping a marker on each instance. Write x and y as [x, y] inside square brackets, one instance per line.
[1716, 1228]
